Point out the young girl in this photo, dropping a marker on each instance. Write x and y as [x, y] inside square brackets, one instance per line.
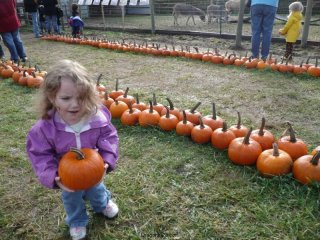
[71, 116]
[292, 27]
[75, 21]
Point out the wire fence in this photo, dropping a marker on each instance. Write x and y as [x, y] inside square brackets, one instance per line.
[157, 15]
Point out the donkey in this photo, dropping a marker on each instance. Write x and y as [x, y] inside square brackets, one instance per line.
[187, 10]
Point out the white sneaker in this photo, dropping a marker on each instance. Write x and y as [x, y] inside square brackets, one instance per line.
[111, 211]
[78, 233]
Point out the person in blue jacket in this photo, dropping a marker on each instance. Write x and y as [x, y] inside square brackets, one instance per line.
[263, 13]
[75, 21]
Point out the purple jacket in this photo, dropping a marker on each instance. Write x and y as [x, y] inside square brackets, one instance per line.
[49, 139]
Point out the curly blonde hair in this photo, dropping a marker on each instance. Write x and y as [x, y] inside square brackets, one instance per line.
[51, 85]
[296, 7]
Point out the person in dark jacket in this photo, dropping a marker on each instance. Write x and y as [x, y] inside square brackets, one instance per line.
[51, 14]
[59, 18]
[31, 7]
[9, 30]
[42, 19]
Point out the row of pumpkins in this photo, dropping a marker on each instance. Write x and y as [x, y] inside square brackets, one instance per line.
[245, 146]
[208, 56]
[21, 74]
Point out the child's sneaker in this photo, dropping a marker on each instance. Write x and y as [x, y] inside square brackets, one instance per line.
[78, 233]
[111, 211]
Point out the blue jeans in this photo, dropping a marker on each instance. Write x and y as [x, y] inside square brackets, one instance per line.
[51, 22]
[14, 43]
[35, 24]
[262, 18]
[74, 204]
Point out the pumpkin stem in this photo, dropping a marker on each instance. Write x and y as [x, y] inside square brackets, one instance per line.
[137, 98]
[170, 103]
[315, 158]
[195, 107]
[106, 95]
[201, 122]
[130, 107]
[275, 150]
[291, 133]
[99, 79]
[214, 113]
[117, 84]
[126, 92]
[239, 120]
[154, 99]
[247, 137]
[167, 112]
[78, 152]
[151, 107]
[224, 126]
[184, 117]
[263, 123]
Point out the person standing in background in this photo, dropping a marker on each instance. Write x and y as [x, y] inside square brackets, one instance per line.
[59, 18]
[50, 13]
[42, 19]
[31, 7]
[263, 13]
[9, 30]
[292, 28]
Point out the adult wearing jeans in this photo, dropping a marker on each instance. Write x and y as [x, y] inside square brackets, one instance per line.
[50, 12]
[262, 17]
[31, 7]
[9, 30]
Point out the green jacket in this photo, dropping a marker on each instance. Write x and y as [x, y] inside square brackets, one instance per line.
[292, 27]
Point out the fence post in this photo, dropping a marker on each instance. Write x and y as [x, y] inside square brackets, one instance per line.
[240, 24]
[305, 32]
[152, 16]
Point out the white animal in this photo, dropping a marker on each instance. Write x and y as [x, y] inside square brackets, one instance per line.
[217, 13]
[233, 5]
[187, 10]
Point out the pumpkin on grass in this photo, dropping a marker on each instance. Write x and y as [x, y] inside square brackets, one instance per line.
[306, 169]
[239, 130]
[193, 115]
[149, 117]
[173, 110]
[201, 133]
[139, 105]
[156, 106]
[244, 150]
[263, 136]
[292, 145]
[168, 122]
[130, 117]
[222, 137]
[274, 162]
[117, 92]
[213, 120]
[184, 127]
[80, 169]
[117, 108]
[126, 98]
[107, 101]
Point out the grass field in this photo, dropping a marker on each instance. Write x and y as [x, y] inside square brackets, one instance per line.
[166, 186]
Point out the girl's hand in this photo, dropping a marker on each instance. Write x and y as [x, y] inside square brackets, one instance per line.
[59, 183]
[105, 170]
